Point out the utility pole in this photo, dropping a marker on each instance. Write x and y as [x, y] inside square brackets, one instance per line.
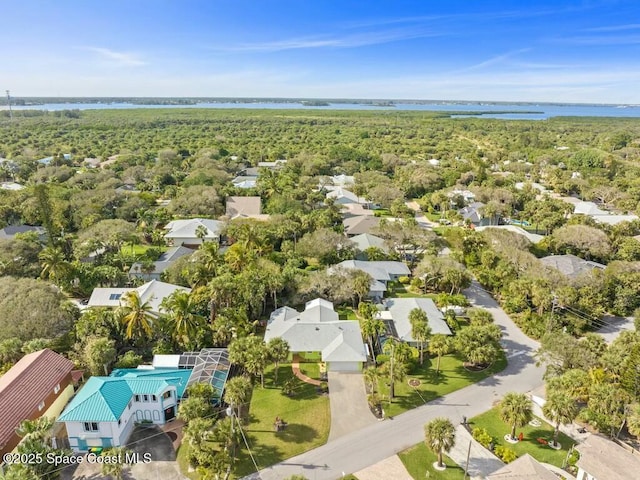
[466, 470]
[9, 102]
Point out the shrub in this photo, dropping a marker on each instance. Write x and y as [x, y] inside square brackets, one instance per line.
[382, 358]
[404, 280]
[481, 436]
[416, 283]
[505, 454]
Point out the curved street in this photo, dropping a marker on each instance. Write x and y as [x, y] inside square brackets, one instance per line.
[359, 449]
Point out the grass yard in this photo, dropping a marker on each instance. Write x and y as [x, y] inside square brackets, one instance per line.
[453, 376]
[139, 249]
[306, 413]
[346, 313]
[419, 460]
[490, 421]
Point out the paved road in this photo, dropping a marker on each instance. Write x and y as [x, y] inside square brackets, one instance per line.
[349, 407]
[361, 448]
[613, 326]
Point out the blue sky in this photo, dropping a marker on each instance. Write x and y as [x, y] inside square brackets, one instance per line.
[549, 50]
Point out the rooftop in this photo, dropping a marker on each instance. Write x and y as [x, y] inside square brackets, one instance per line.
[28, 383]
[153, 292]
[606, 460]
[524, 468]
[570, 265]
[399, 309]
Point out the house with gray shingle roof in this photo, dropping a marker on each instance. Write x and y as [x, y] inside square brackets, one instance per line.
[186, 232]
[104, 412]
[318, 329]
[602, 459]
[524, 468]
[152, 292]
[381, 273]
[396, 314]
[360, 224]
[570, 265]
[165, 260]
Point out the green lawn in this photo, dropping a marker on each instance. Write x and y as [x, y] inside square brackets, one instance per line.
[490, 420]
[139, 250]
[306, 413]
[419, 460]
[346, 313]
[453, 376]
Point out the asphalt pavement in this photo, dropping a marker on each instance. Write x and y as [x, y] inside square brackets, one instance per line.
[371, 444]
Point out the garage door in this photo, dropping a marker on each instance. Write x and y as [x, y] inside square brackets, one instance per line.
[344, 366]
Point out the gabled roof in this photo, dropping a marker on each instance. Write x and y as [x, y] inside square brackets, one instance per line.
[379, 270]
[367, 240]
[344, 195]
[26, 384]
[604, 459]
[570, 265]
[588, 208]
[188, 228]
[399, 309]
[318, 329]
[472, 212]
[243, 206]
[360, 224]
[104, 399]
[153, 292]
[524, 468]
[164, 261]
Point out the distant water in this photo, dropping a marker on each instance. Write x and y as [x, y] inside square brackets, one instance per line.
[492, 110]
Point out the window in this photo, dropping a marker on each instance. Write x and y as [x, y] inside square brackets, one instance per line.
[167, 394]
[56, 389]
[137, 398]
[115, 296]
[41, 406]
[154, 398]
[145, 398]
[90, 427]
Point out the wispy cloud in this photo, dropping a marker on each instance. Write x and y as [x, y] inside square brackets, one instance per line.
[601, 40]
[352, 40]
[498, 59]
[614, 28]
[124, 59]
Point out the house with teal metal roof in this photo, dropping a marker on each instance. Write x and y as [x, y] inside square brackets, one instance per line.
[104, 412]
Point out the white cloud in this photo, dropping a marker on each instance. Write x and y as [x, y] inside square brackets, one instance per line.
[124, 59]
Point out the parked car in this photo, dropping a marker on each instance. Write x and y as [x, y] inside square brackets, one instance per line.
[455, 309]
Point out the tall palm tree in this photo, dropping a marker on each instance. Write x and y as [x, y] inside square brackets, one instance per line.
[439, 435]
[561, 410]
[137, 316]
[236, 392]
[439, 345]
[278, 350]
[515, 410]
[397, 366]
[372, 377]
[371, 326]
[420, 330]
[54, 265]
[179, 308]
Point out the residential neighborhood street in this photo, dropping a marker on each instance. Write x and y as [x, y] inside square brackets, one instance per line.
[358, 449]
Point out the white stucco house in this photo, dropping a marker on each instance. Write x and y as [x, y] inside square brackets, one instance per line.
[187, 232]
[318, 329]
[381, 273]
[104, 412]
[153, 292]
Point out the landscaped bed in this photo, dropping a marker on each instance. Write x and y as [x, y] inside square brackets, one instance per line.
[495, 427]
[453, 376]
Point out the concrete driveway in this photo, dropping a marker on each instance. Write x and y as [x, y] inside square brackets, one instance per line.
[348, 401]
[143, 440]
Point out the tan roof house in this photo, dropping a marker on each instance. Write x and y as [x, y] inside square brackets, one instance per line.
[602, 459]
[524, 468]
[245, 207]
[40, 384]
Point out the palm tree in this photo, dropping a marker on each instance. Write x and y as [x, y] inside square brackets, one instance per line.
[278, 349]
[420, 330]
[397, 366]
[371, 326]
[180, 314]
[560, 409]
[372, 377]
[136, 315]
[439, 345]
[54, 265]
[439, 435]
[202, 232]
[515, 410]
[236, 392]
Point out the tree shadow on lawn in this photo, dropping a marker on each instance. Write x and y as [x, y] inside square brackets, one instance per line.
[264, 455]
[296, 432]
